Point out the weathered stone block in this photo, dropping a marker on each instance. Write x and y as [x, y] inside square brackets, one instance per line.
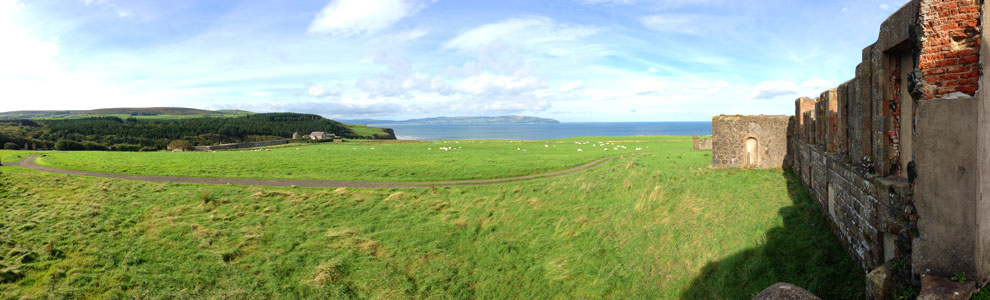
[749, 141]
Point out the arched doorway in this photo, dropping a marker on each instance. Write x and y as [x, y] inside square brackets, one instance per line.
[752, 158]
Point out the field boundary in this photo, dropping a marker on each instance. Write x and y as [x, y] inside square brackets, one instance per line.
[28, 163]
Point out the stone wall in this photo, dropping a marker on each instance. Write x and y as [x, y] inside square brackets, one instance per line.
[749, 141]
[946, 187]
[897, 158]
[241, 145]
[702, 143]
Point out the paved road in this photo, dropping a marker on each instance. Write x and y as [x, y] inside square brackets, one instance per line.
[28, 162]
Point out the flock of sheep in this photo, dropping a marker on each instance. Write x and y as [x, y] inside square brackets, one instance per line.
[605, 146]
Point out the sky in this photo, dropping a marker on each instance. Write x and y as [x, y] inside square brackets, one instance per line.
[570, 60]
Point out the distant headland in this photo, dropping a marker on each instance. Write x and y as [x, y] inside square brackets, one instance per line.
[457, 120]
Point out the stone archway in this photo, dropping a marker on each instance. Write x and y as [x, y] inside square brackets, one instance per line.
[752, 152]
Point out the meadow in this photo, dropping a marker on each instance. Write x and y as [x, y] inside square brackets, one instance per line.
[372, 160]
[660, 224]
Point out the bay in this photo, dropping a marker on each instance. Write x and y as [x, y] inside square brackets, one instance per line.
[545, 131]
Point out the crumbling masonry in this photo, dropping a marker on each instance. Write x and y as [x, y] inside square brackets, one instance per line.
[898, 158]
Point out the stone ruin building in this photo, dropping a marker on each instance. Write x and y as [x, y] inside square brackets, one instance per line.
[749, 141]
[702, 143]
[898, 158]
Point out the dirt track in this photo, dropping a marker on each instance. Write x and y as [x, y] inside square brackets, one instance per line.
[28, 163]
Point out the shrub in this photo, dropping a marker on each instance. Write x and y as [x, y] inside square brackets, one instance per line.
[11, 146]
[148, 149]
[125, 147]
[69, 145]
[180, 145]
[95, 146]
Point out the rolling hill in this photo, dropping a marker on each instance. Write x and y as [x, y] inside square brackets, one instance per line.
[123, 112]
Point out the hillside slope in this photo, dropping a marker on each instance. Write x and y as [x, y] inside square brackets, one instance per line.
[123, 112]
[132, 134]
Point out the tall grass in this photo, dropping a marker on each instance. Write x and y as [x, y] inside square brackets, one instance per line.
[660, 225]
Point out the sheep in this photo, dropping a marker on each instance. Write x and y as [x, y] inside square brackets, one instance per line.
[579, 150]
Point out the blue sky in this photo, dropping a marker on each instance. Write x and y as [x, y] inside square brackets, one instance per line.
[571, 60]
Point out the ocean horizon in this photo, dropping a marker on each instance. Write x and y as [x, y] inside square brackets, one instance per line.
[512, 131]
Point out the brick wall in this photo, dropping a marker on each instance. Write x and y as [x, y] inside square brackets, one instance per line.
[950, 45]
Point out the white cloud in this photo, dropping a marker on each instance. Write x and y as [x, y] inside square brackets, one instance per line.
[656, 3]
[884, 7]
[396, 85]
[32, 74]
[351, 17]
[652, 70]
[316, 90]
[120, 11]
[817, 84]
[527, 31]
[571, 86]
[684, 23]
[24, 56]
[772, 89]
[492, 84]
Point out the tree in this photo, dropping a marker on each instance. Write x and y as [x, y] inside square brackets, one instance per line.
[69, 145]
[180, 145]
[11, 146]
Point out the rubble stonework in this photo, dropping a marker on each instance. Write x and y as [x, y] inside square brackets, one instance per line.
[749, 141]
[702, 143]
[898, 158]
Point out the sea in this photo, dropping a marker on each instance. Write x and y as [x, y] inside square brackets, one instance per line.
[545, 131]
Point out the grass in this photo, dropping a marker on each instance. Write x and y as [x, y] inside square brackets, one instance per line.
[378, 160]
[16, 155]
[364, 130]
[659, 225]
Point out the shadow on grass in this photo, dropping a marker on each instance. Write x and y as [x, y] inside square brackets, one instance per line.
[803, 252]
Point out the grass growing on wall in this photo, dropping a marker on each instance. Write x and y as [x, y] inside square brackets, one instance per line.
[659, 225]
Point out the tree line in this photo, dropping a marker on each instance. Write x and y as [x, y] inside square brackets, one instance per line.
[132, 134]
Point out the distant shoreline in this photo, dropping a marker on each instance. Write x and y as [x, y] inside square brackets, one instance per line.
[519, 131]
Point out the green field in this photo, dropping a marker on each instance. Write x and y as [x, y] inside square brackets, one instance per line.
[364, 130]
[392, 161]
[657, 225]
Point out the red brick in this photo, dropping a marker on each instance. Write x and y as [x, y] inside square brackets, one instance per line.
[969, 89]
[946, 62]
[970, 75]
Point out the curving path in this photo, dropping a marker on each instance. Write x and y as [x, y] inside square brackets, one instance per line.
[28, 163]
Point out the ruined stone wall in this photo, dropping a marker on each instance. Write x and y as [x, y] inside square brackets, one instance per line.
[702, 143]
[897, 185]
[241, 145]
[768, 135]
